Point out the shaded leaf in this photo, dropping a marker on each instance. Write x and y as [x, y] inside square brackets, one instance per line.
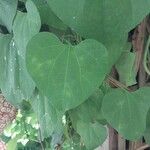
[147, 131]
[67, 74]
[90, 110]
[126, 69]
[49, 118]
[25, 26]
[92, 134]
[104, 20]
[47, 15]
[8, 10]
[126, 111]
[16, 83]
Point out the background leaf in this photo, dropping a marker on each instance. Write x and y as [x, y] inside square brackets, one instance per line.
[90, 110]
[92, 134]
[47, 15]
[16, 83]
[126, 69]
[128, 111]
[104, 20]
[49, 118]
[8, 10]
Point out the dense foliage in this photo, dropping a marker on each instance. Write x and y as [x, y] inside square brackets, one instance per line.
[56, 57]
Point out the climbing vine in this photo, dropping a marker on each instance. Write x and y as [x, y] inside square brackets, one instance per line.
[57, 66]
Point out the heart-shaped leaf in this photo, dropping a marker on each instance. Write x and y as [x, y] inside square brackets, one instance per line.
[126, 111]
[67, 74]
[92, 134]
[104, 20]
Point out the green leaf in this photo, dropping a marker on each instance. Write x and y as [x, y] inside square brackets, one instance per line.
[12, 144]
[47, 15]
[16, 83]
[104, 20]
[9, 78]
[25, 26]
[49, 118]
[92, 134]
[4, 48]
[147, 131]
[126, 69]
[75, 14]
[137, 11]
[67, 74]
[90, 110]
[8, 10]
[126, 111]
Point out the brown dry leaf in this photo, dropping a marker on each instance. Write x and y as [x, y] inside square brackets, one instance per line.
[7, 113]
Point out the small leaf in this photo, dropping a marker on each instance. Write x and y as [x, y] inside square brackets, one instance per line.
[49, 118]
[12, 144]
[126, 69]
[92, 134]
[147, 131]
[126, 111]
[67, 74]
[47, 15]
[90, 110]
[8, 10]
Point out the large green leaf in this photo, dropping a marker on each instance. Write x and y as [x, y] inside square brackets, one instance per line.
[92, 134]
[9, 79]
[49, 118]
[16, 83]
[67, 74]
[8, 10]
[11, 75]
[126, 111]
[104, 20]
[26, 25]
[90, 110]
[47, 15]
